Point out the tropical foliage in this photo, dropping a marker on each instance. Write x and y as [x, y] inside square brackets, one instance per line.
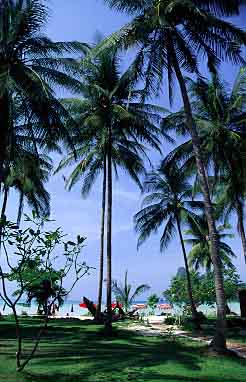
[203, 288]
[174, 36]
[167, 204]
[125, 294]
[115, 125]
[199, 256]
[107, 125]
[152, 302]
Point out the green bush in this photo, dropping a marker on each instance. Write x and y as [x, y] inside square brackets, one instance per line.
[170, 320]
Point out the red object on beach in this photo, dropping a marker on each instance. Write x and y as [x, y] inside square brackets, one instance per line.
[83, 305]
[164, 306]
[114, 305]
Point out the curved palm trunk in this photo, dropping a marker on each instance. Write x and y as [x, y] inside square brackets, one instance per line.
[189, 286]
[4, 205]
[219, 340]
[108, 323]
[241, 229]
[20, 209]
[101, 260]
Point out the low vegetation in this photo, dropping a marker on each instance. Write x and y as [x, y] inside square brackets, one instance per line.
[73, 351]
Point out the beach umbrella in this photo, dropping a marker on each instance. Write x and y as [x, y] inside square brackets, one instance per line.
[164, 306]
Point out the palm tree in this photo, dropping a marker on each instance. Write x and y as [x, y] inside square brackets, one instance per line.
[219, 114]
[171, 35]
[200, 254]
[231, 199]
[28, 176]
[167, 203]
[114, 127]
[125, 295]
[27, 168]
[31, 66]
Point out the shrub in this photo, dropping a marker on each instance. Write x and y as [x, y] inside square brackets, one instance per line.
[170, 320]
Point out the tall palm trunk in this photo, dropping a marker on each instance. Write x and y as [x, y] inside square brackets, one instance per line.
[241, 229]
[189, 286]
[219, 340]
[101, 260]
[20, 209]
[108, 323]
[4, 128]
[5, 200]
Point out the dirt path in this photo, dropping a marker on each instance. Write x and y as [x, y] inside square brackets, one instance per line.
[154, 330]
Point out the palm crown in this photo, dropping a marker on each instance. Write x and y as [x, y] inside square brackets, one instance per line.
[192, 29]
[199, 255]
[31, 66]
[109, 99]
[169, 198]
[219, 113]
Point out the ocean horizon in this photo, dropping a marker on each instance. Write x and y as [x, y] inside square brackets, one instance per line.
[72, 308]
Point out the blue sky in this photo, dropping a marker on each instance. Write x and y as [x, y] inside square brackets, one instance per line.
[79, 20]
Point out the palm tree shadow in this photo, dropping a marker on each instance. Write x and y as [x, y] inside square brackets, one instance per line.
[108, 357]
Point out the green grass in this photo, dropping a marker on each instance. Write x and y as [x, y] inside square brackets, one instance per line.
[233, 334]
[76, 351]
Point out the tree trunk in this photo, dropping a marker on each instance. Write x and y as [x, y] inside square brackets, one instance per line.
[5, 200]
[101, 260]
[4, 205]
[108, 323]
[4, 129]
[241, 229]
[20, 209]
[19, 339]
[219, 340]
[189, 286]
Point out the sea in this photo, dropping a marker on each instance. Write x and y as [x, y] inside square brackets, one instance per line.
[71, 308]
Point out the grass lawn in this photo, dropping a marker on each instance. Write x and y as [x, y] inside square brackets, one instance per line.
[76, 351]
[233, 333]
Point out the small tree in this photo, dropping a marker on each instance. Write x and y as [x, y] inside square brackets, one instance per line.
[41, 286]
[125, 294]
[30, 260]
[203, 288]
[152, 302]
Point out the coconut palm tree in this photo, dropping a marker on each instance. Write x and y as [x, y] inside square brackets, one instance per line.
[114, 127]
[200, 254]
[31, 66]
[171, 35]
[125, 294]
[27, 168]
[167, 204]
[28, 176]
[231, 199]
[219, 113]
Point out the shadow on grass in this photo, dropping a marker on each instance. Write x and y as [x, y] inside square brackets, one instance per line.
[77, 351]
